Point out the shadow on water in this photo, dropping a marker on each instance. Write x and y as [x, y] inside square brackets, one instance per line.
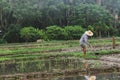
[53, 69]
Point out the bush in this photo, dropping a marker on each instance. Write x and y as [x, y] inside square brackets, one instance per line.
[56, 32]
[74, 32]
[12, 34]
[2, 41]
[42, 35]
[30, 34]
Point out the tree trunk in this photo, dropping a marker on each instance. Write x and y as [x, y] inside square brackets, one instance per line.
[1, 19]
[100, 35]
[116, 19]
[99, 2]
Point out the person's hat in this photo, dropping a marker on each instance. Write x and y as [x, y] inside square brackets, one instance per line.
[89, 33]
[92, 78]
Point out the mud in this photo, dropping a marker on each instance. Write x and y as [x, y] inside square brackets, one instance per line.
[105, 64]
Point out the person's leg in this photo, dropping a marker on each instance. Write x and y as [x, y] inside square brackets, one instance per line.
[84, 51]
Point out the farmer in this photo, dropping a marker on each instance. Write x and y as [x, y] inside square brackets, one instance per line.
[84, 41]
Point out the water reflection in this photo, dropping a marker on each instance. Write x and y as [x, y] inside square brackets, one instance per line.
[46, 65]
[52, 65]
[88, 76]
[110, 76]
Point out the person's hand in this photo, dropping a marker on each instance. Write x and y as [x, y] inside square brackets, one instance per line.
[90, 46]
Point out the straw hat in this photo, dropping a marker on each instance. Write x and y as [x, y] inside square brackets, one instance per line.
[92, 78]
[89, 33]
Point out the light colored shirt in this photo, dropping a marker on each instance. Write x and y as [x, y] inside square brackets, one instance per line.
[84, 39]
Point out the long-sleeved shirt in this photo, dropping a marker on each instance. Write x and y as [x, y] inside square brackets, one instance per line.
[84, 39]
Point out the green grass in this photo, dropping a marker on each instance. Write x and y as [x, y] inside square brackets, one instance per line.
[28, 51]
[31, 50]
[90, 55]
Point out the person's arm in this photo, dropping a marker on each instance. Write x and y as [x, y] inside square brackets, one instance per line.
[86, 41]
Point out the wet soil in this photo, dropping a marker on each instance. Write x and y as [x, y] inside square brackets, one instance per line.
[105, 64]
[110, 60]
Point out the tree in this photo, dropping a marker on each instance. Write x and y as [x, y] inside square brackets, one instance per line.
[19, 12]
[43, 13]
[89, 14]
[12, 34]
[114, 9]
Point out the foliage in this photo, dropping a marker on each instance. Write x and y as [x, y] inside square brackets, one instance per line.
[93, 17]
[56, 32]
[19, 12]
[42, 35]
[89, 14]
[12, 34]
[30, 34]
[99, 14]
[74, 32]
[2, 41]
[113, 31]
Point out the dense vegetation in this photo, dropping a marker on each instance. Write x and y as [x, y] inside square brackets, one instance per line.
[57, 19]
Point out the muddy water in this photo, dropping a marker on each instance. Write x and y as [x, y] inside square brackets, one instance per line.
[55, 69]
[109, 76]
[47, 65]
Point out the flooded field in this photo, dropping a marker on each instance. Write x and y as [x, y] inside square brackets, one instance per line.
[63, 61]
[45, 65]
[109, 76]
[57, 69]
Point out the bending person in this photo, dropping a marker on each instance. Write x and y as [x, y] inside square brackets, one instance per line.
[84, 41]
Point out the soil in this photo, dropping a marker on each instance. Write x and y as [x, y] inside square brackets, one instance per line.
[111, 60]
[108, 63]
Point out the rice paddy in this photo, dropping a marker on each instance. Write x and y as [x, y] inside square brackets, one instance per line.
[54, 57]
